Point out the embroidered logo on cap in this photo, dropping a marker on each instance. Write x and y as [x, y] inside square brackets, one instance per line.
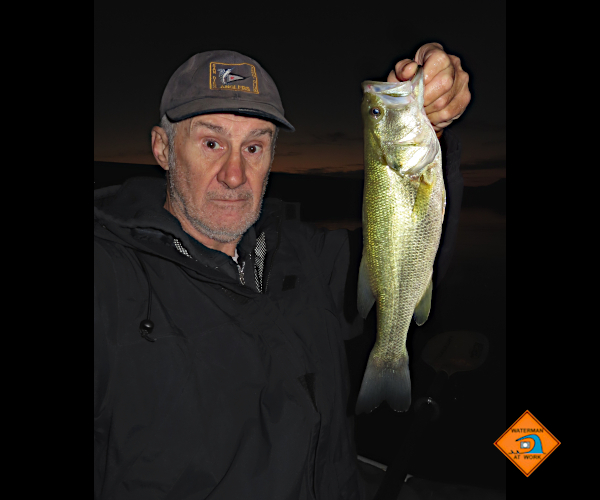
[226, 77]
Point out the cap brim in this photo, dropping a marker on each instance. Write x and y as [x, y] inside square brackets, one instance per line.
[211, 105]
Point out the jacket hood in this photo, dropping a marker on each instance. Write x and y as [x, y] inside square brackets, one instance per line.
[133, 215]
[137, 203]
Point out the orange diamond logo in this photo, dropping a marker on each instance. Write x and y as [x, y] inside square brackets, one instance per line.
[527, 443]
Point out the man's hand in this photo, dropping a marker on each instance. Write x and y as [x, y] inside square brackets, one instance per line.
[446, 83]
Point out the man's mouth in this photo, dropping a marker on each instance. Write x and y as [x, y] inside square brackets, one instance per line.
[230, 204]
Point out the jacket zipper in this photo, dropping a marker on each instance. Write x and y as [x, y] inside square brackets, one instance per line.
[266, 282]
[241, 271]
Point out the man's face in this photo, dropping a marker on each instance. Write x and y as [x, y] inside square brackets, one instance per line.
[218, 172]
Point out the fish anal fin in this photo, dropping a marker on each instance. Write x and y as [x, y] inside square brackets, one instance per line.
[366, 298]
[424, 306]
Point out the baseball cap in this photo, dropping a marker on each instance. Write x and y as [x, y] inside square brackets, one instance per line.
[222, 81]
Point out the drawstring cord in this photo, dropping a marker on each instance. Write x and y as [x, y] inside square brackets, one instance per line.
[146, 325]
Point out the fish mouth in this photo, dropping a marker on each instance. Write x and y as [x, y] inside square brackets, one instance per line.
[391, 89]
[394, 94]
[399, 98]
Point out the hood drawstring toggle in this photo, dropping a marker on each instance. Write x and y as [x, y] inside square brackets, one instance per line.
[146, 327]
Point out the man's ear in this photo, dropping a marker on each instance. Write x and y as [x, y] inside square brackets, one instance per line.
[160, 147]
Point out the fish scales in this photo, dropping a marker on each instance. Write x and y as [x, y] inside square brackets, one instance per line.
[403, 209]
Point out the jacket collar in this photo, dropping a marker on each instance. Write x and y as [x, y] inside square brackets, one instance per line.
[135, 210]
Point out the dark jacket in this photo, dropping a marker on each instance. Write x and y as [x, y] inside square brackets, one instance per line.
[240, 390]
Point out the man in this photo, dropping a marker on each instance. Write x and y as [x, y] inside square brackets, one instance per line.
[220, 369]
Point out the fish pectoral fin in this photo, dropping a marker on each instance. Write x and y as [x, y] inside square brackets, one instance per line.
[424, 305]
[421, 206]
[366, 298]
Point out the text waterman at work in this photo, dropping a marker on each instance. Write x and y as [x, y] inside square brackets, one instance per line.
[219, 327]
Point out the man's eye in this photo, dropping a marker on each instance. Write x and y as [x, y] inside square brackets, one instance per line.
[212, 144]
[253, 149]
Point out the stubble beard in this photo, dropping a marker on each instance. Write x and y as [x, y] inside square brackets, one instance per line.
[200, 218]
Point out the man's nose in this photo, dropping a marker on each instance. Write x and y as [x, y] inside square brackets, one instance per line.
[233, 171]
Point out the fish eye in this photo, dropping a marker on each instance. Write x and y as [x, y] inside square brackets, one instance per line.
[376, 112]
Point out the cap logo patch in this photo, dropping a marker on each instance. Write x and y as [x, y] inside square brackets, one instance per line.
[228, 77]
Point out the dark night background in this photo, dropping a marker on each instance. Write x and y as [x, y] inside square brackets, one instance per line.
[318, 56]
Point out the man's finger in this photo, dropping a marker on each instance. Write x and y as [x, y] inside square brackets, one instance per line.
[436, 63]
[440, 127]
[433, 59]
[403, 71]
[452, 111]
[439, 104]
[439, 86]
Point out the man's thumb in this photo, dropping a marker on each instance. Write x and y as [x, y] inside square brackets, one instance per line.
[403, 71]
[423, 53]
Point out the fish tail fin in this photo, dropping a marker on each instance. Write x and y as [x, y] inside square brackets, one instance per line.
[385, 382]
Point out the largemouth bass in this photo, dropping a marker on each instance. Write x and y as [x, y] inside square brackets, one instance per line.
[403, 210]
